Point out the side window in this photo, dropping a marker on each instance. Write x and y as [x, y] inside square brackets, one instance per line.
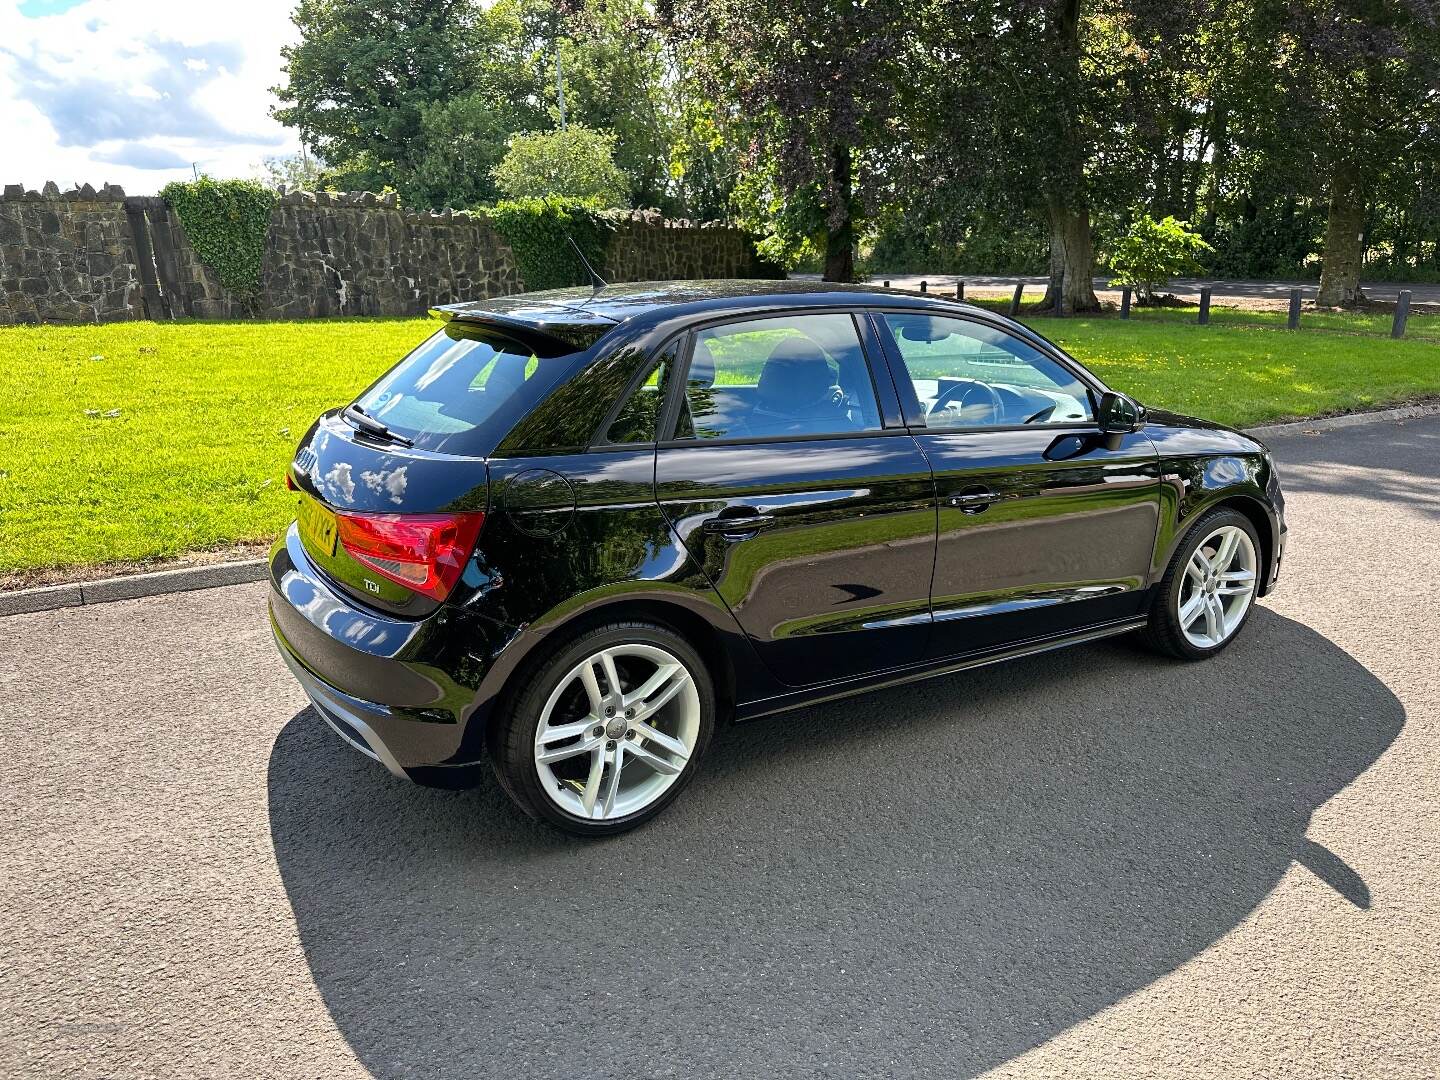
[968, 375]
[791, 375]
[640, 415]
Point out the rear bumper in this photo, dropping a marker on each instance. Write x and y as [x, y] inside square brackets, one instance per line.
[348, 717]
[394, 689]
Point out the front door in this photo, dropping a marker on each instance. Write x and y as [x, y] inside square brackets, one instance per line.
[813, 520]
[1045, 524]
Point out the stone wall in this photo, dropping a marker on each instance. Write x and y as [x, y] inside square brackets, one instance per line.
[98, 256]
[647, 247]
[66, 257]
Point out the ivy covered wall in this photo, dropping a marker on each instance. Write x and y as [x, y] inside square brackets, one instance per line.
[222, 252]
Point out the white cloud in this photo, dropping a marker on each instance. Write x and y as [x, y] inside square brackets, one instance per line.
[132, 91]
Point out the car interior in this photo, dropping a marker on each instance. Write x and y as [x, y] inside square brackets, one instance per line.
[784, 383]
[965, 375]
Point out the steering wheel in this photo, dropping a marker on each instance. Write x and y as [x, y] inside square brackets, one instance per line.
[960, 392]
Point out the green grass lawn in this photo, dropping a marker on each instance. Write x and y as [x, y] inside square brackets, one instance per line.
[209, 413]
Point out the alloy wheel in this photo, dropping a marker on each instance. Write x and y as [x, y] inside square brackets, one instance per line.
[1218, 588]
[617, 731]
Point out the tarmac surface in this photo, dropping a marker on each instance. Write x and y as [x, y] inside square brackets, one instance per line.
[1092, 863]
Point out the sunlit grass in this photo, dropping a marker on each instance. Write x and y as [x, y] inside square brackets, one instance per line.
[206, 415]
[137, 440]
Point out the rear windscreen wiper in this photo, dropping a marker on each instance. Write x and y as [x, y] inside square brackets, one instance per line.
[368, 424]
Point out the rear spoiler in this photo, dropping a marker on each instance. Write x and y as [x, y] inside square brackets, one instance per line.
[549, 329]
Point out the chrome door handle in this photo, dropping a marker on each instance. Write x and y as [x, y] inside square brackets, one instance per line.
[739, 525]
[975, 501]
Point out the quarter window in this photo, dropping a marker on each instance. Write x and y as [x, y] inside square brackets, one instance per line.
[968, 375]
[787, 376]
[639, 416]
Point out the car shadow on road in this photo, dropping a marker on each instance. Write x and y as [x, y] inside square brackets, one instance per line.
[929, 879]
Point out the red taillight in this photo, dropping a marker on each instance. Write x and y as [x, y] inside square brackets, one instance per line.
[423, 552]
[290, 483]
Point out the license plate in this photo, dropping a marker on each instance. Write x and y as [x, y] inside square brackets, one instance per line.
[317, 527]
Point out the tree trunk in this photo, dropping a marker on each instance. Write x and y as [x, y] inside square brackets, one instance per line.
[1072, 260]
[840, 225]
[1072, 253]
[1219, 164]
[1344, 245]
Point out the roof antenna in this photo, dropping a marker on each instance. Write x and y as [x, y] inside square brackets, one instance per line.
[596, 281]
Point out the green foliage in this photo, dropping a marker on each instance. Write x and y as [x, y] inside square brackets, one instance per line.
[536, 230]
[905, 242]
[360, 76]
[790, 225]
[574, 163]
[1152, 252]
[463, 140]
[226, 222]
[295, 172]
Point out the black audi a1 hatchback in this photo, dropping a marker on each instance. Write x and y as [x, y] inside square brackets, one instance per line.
[573, 531]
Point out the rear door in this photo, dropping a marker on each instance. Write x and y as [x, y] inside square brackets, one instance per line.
[791, 479]
[1045, 524]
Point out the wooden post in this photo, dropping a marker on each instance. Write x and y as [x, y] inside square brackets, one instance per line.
[1294, 321]
[959, 290]
[924, 286]
[1402, 313]
[1125, 302]
[1015, 300]
[1204, 306]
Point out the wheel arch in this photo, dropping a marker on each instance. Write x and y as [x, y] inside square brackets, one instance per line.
[1259, 516]
[678, 610]
[649, 608]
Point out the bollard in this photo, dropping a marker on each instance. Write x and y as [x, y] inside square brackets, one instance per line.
[1204, 306]
[1125, 302]
[1015, 300]
[1294, 321]
[924, 286]
[959, 290]
[1402, 313]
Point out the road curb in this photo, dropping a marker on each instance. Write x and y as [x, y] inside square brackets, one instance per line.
[133, 586]
[1331, 423]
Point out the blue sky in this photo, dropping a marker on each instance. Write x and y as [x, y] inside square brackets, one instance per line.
[134, 92]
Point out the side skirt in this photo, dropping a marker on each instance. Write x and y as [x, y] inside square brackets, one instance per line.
[754, 710]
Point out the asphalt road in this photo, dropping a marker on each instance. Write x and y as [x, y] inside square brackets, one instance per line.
[1185, 288]
[1095, 863]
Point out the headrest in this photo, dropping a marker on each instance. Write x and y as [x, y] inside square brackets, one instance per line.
[796, 374]
[702, 364]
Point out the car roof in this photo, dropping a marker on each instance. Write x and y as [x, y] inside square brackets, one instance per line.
[577, 314]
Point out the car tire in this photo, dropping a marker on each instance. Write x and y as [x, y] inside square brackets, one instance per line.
[548, 764]
[1179, 628]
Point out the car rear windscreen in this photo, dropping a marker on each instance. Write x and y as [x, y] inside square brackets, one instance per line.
[463, 388]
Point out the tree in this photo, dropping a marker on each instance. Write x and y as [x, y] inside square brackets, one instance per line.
[575, 162]
[361, 76]
[1035, 105]
[1152, 252]
[806, 90]
[1361, 80]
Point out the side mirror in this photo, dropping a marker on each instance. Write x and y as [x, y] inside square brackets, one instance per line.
[1118, 414]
